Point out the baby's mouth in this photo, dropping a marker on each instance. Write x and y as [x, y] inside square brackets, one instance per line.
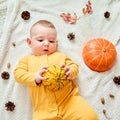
[46, 50]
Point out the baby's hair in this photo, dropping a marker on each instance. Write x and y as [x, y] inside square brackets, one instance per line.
[44, 23]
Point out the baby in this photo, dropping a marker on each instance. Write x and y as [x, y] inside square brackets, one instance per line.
[62, 104]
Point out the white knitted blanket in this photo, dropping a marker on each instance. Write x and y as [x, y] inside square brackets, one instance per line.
[93, 85]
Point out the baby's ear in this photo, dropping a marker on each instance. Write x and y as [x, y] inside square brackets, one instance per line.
[28, 40]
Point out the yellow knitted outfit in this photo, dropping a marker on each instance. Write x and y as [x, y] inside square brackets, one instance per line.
[63, 104]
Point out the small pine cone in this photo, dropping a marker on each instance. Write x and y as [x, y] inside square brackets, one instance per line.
[5, 75]
[71, 36]
[107, 14]
[10, 106]
[25, 15]
[116, 80]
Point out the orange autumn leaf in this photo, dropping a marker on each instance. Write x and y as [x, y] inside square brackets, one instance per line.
[67, 17]
[88, 8]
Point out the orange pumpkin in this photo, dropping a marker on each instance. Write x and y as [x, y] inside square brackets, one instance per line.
[99, 54]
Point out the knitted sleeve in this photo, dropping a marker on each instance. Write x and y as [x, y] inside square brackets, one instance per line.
[22, 75]
[74, 68]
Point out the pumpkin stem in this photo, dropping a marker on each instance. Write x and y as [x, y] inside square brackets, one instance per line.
[104, 50]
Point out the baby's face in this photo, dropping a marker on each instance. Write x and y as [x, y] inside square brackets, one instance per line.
[43, 40]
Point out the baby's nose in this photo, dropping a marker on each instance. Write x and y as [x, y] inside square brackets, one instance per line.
[46, 42]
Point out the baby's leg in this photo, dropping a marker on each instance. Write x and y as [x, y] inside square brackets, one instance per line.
[78, 109]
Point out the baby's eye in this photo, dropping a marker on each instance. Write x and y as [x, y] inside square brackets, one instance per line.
[51, 41]
[40, 40]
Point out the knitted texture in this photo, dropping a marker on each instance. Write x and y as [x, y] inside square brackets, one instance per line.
[3, 11]
[93, 85]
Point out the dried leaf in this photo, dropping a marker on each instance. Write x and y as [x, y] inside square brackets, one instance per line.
[67, 17]
[88, 8]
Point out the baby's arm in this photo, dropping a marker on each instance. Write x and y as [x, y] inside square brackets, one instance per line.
[25, 77]
[22, 75]
[72, 69]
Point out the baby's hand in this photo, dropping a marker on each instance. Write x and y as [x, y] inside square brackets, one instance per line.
[67, 69]
[39, 78]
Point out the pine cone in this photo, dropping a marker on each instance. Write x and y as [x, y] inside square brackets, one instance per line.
[116, 80]
[5, 75]
[107, 14]
[10, 106]
[71, 36]
[25, 15]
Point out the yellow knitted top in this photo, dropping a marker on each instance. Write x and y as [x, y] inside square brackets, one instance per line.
[46, 103]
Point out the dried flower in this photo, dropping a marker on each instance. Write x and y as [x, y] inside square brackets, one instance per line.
[5, 75]
[116, 80]
[10, 106]
[107, 14]
[102, 100]
[71, 36]
[88, 8]
[67, 17]
[25, 15]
